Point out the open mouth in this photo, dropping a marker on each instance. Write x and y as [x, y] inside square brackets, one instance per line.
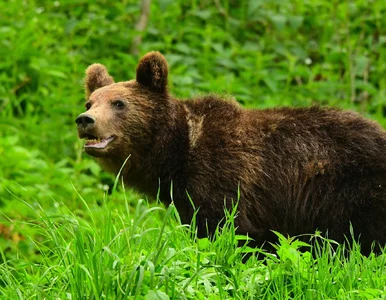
[95, 142]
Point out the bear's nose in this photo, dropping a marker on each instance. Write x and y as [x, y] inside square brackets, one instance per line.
[85, 120]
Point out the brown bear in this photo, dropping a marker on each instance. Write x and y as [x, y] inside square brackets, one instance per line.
[292, 170]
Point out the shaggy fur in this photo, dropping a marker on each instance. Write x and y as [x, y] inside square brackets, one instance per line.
[296, 170]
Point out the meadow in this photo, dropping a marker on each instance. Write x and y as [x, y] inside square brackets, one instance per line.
[68, 230]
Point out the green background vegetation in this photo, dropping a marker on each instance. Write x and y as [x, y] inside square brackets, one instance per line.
[64, 232]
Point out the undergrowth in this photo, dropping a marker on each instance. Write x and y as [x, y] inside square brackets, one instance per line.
[146, 253]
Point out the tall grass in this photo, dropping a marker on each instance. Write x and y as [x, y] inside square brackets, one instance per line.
[147, 253]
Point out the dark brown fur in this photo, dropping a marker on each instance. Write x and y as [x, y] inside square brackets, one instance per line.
[297, 170]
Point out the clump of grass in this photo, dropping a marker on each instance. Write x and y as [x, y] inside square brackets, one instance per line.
[147, 253]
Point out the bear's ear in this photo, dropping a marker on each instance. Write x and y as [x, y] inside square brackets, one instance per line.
[152, 72]
[96, 77]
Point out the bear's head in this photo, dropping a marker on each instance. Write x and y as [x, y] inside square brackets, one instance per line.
[119, 117]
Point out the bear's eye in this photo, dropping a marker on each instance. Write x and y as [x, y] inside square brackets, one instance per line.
[88, 105]
[118, 104]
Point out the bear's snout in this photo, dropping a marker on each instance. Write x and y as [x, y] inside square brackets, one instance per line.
[85, 120]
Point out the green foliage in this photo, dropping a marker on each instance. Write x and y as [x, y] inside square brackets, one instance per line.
[62, 236]
[148, 254]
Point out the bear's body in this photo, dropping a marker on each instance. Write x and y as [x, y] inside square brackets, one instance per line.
[294, 170]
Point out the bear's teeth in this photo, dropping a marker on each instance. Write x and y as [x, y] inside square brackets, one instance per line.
[98, 142]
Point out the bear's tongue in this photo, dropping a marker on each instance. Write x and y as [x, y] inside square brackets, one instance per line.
[97, 143]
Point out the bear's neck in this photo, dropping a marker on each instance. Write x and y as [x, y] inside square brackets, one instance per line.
[162, 166]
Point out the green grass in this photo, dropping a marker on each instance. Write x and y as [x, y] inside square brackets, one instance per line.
[147, 253]
[64, 232]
